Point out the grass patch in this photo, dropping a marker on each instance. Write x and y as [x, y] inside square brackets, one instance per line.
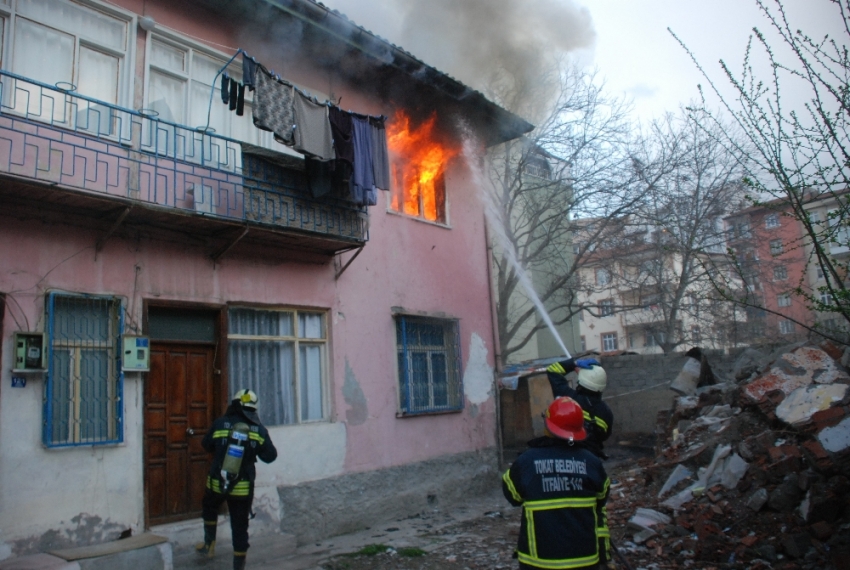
[411, 552]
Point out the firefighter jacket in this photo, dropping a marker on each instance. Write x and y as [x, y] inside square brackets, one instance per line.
[562, 489]
[598, 417]
[259, 446]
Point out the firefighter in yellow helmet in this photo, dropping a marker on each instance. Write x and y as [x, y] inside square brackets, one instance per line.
[236, 440]
[562, 487]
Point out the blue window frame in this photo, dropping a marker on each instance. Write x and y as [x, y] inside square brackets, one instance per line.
[429, 368]
[84, 385]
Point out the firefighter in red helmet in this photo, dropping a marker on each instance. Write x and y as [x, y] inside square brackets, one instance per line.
[562, 487]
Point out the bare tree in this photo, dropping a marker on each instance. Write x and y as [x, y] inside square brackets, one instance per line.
[797, 154]
[576, 163]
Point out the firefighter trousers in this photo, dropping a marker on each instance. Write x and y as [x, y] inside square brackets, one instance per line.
[240, 511]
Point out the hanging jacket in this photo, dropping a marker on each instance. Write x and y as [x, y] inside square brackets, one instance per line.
[598, 417]
[562, 490]
[259, 446]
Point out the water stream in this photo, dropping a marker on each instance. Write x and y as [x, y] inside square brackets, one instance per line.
[496, 224]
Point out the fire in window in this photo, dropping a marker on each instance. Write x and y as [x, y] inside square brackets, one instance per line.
[419, 158]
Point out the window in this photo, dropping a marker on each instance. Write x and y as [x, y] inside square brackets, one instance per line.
[606, 308]
[280, 355]
[650, 303]
[609, 341]
[655, 338]
[783, 300]
[429, 369]
[76, 47]
[819, 273]
[631, 341]
[603, 276]
[583, 344]
[780, 272]
[742, 229]
[83, 403]
[814, 217]
[786, 326]
[696, 337]
[839, 232]
[771, 221]
[825, 298]
[775, 246]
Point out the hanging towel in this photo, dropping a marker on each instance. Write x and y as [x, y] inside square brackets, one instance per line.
[249, 71]
[380, 156]
[225, 88]
[343, 136]
[363, 178]
[273, 110]
[312, 128]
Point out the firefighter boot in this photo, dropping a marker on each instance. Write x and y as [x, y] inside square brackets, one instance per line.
[207, 547]
[239, 560]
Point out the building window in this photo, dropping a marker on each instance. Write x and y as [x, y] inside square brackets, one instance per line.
[814, 217]
[696, 337]
[281, 355]
[775, 246]
[606, 308]
[783, 300]
[631, 342]
[655, 338]
[819, 273]
[583, 344]
[603, 276]
[83, 392]
[786, 326]
[780, 273]
[771, 221]
[63, 43]
[429, 368]
[825, 298]
[609, 342]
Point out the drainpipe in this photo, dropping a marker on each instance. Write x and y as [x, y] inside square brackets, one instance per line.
[497, 347]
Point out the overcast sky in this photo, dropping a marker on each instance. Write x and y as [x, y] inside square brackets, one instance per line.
[627, 40]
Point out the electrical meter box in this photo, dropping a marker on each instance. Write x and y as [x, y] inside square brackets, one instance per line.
[136, 354]
[30, 353]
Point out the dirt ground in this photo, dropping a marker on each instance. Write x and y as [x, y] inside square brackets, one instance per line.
[484, 540]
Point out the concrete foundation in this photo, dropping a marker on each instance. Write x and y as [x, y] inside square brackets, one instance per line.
[348, 503]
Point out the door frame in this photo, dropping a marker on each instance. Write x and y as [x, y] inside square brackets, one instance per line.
[219, 366]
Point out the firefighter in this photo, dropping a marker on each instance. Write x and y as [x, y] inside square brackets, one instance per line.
[236, 440]
[562, 487]
[590, 384]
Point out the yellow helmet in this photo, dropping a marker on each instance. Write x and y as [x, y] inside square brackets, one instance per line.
[247, 398]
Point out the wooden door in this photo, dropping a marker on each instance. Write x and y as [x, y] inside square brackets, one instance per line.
[179, 408]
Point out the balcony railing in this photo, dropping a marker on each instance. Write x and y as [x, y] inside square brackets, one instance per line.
[55, 136]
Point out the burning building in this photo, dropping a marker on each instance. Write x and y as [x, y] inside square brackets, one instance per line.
[162, 248]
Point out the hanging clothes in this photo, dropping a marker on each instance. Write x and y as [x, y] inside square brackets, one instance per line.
[249, 71]
[312, 128]
[342, 131]
[380, 155]
[363, 178]
[273, 106]
[234, 94]
[321, 176]
[240, 100]
[225, 88]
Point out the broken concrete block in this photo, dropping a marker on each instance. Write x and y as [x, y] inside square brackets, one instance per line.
[734, 469]
[786, 497]
[648, 518]
[801, 404]
[679, 474]
[837, 438]
[757, 500]
[643, 535]
[803, 366]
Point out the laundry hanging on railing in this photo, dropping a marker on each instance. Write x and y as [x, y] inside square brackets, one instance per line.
[353, 145]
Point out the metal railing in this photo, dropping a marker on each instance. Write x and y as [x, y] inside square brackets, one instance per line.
[54, 135]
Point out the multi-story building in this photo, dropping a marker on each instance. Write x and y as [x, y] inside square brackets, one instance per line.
[160, 250]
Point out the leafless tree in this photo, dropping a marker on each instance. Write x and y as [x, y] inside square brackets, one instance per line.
[797, 154]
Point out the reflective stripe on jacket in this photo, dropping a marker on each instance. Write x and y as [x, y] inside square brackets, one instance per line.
[562, 490]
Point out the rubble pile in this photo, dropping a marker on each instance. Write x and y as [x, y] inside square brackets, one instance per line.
[749, 472]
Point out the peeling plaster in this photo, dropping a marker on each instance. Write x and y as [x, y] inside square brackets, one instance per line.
[88, 530]
[478, 376]
[354, 397]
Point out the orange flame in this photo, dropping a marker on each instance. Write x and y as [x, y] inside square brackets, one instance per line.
[418, 167]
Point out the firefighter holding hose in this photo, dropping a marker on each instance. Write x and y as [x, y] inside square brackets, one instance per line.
[236, 440]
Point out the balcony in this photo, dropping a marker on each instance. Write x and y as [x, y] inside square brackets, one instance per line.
[68, 158]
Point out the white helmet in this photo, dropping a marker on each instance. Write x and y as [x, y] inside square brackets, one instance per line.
[247, 398]
[593, 378]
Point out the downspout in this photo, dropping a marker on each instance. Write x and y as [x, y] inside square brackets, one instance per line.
[497, 347]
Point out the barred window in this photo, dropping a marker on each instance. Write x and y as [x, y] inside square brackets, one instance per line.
[429, 369]
[83, 388]
[776, 246]
[280, 355]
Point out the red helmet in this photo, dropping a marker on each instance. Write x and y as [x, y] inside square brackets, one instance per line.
[565, 419]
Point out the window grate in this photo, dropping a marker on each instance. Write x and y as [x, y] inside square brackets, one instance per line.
[429, 365]
[84, 385]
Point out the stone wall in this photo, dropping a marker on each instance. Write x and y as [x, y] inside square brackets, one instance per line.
[347, 503]
[638, 385]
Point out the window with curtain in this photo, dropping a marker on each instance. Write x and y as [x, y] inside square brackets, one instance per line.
[280, 355]
[81, 48]
[82, 404]
[429, 368]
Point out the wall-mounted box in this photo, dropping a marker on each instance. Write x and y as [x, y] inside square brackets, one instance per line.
[30, 352]
[136, 354]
